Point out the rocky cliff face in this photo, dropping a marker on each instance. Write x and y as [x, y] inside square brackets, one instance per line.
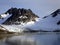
[20, 15]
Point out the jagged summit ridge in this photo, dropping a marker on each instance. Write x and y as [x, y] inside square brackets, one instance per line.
[19, 15]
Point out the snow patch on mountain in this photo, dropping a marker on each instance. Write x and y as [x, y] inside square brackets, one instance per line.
[4, 17]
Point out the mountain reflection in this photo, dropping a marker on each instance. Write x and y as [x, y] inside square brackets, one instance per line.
[32, 39]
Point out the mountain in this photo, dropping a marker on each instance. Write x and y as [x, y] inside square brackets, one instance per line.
[13, 23]
[18, 16]
[48, 23]
[14, 19]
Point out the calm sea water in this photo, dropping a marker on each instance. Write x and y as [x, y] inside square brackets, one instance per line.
[33, 39]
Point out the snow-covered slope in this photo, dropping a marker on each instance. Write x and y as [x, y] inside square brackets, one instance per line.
[49, 23]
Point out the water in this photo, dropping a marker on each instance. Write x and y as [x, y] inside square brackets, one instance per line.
[32, 39]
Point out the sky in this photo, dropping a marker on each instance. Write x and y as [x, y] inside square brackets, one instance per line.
[39, 7]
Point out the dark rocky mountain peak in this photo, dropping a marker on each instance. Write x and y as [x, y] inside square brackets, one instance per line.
[20, 15]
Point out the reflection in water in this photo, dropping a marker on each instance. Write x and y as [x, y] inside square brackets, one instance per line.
[20, 40]
[33, 39]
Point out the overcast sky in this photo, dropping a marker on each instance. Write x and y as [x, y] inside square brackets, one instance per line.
[39, 7]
